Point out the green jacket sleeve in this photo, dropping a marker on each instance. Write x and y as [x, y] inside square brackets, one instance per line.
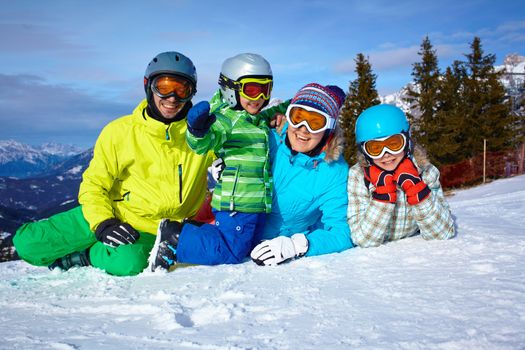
[217, 135]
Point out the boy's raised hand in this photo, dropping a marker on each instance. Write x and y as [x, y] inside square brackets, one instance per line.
[199, 119]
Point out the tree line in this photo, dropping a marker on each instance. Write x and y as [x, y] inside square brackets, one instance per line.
[451, 112]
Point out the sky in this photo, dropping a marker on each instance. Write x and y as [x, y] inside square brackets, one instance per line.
[464, 293]
[68, 67]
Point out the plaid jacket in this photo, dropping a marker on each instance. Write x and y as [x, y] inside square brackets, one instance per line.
[372, 222]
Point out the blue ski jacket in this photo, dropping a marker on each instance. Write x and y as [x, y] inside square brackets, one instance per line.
[309, 196]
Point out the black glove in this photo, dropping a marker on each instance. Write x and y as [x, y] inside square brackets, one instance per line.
[113, 232]
[199, 119]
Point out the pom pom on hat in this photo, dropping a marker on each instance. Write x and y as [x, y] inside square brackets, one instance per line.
[327, 99]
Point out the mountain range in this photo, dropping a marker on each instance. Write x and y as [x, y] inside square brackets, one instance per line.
[22, 161]
[57, 172]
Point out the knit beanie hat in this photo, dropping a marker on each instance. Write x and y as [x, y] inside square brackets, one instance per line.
[328, 99]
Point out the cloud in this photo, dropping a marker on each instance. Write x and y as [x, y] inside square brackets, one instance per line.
[19, 38]
[383, 60]
[34, 108]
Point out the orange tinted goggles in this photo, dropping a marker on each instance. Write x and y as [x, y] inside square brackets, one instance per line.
[377, 148]
[166, 86]
[315, 121]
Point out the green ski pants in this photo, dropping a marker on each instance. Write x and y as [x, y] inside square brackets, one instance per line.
[40, 243]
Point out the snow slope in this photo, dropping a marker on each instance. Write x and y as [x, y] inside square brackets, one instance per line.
[465, 293]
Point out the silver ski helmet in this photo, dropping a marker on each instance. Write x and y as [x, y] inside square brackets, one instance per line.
[241, 66]
[173, 63]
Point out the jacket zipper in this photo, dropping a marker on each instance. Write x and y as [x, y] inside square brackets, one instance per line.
[232, 204]
[180, 183]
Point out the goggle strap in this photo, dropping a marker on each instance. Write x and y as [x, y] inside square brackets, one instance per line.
[226, 82]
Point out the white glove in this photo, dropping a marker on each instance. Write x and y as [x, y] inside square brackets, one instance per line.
[216, 168]
[275, 251]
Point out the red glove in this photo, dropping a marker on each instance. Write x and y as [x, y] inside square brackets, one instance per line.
[407, 176]
[384, 183]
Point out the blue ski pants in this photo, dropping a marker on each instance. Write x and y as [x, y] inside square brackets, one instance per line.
[229, 241]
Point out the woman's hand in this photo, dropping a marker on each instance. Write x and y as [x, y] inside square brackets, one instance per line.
[280, 249]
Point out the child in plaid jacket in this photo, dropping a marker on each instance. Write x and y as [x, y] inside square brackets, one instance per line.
[394, 191]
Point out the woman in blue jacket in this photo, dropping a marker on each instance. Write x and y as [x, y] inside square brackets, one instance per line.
[310, 175]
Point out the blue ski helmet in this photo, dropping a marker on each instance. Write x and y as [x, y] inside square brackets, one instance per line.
[170, 63]
[380, 121]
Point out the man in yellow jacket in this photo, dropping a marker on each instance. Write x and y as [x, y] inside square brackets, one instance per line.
[142, 171]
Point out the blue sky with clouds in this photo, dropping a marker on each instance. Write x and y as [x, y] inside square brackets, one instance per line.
[67, 67]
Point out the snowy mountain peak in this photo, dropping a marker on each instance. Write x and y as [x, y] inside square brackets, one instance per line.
[58, 149]
[21, 160]
[11, 150]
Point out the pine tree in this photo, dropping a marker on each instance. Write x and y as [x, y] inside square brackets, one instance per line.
[444, 142]
[487, 113]
[362, 94]
[423, 98]
[519, 114]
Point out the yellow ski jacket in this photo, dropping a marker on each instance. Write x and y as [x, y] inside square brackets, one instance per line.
[143, 171]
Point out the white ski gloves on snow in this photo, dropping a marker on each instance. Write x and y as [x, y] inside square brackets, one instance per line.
[280, 249]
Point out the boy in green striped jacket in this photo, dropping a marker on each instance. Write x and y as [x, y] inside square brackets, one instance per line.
[237, 131]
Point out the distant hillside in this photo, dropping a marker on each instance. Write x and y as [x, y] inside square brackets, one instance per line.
[21, 161]
[47, 193]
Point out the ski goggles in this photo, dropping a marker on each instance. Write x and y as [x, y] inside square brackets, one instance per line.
[377, 148]
[166, 86]
[314, 120]
[249, 88]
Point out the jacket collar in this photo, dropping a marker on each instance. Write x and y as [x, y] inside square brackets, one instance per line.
[155, 127]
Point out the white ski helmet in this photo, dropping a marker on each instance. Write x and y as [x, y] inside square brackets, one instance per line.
[241, 66]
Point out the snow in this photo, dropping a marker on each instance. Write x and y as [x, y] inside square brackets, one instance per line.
[75, 170]
[465, 293]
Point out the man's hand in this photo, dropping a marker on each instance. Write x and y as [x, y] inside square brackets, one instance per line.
[280, 249]
[277, 120]
[113, 233]
[216, 169]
